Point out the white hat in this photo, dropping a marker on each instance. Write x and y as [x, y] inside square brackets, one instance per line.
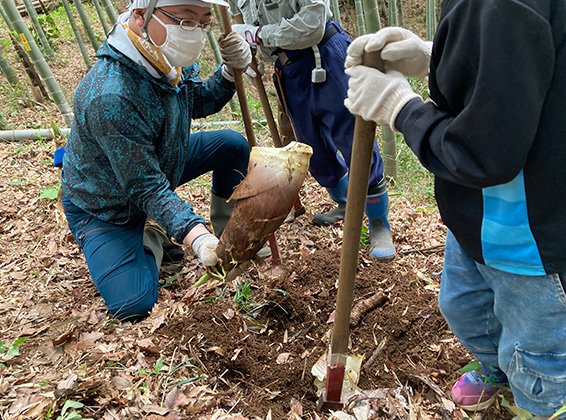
[143, 4]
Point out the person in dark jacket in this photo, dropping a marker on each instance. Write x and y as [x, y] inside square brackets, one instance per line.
[130, 146]
[493, 134]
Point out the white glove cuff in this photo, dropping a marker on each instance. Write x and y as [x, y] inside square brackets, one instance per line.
[227, 73]
[400, 98]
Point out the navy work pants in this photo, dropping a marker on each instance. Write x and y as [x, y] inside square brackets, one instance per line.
[317, 110]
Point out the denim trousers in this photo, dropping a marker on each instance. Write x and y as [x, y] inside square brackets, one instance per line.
[514, 322]
[123, 271]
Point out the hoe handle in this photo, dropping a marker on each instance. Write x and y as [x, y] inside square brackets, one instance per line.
[260, 87]
[364, 136]
[239, 81]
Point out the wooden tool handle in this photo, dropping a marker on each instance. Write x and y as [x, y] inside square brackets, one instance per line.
[239, 81]
[360, 166]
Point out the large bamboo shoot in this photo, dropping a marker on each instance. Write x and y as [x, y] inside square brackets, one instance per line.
[264, 199]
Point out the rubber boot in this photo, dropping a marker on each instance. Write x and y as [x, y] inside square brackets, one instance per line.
[158, 243]
[338, 193]
[377, 207]
[220, 211]
[153, 239]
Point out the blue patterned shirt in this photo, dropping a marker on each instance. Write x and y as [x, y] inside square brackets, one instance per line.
[129, 139]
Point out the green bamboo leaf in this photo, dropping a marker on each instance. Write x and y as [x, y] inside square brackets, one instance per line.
[49, 193]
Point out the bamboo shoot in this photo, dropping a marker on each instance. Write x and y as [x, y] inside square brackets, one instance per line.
[264, 199]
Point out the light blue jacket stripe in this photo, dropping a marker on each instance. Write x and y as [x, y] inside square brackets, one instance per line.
[508, 243]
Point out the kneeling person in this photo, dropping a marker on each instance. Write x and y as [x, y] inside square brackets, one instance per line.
[130, 146]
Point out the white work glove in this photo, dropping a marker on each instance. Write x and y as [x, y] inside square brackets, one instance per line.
[204, 247]
[377, 96]
[249, 32]
[401, 50]
[235, 51]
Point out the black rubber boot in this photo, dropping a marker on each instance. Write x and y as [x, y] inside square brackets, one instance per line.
[330, 217]
[338, 193]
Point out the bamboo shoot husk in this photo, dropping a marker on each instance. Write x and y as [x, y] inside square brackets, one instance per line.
[264, 199]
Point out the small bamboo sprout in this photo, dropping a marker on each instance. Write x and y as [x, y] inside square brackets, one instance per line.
[264, 199]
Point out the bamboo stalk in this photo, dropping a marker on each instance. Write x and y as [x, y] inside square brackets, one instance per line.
[47, 133]
[430, 19]
[6, 20]
[392, 16]
[360, 20]
[101, 16]
[218, 57]
[371, 13]
[110, 11]
[77, 33]
[39, 61]
[400, 10]
[38, 29]
[389, 144]
[86, 24]
[38, 90]
[335, 7]
[389, 153]
[7, 69]
[373, 24]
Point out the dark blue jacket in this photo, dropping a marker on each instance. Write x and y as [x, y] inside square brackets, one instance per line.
[128, 142]
[495, 137]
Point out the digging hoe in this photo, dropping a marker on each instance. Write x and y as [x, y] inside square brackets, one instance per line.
[298, 208]
[364, 136]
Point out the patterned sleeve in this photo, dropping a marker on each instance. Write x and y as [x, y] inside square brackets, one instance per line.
[126, 138]
[208, 96]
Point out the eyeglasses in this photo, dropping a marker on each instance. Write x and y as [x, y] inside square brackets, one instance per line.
[187, 24]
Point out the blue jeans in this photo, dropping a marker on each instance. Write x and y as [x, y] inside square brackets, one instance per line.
[125, 273]
[510, 321]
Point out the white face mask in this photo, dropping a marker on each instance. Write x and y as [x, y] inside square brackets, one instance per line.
[181, 47]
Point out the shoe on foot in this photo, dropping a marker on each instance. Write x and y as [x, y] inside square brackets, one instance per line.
[330, 217]
[338, 194]
[381, 241]
[473, 392]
